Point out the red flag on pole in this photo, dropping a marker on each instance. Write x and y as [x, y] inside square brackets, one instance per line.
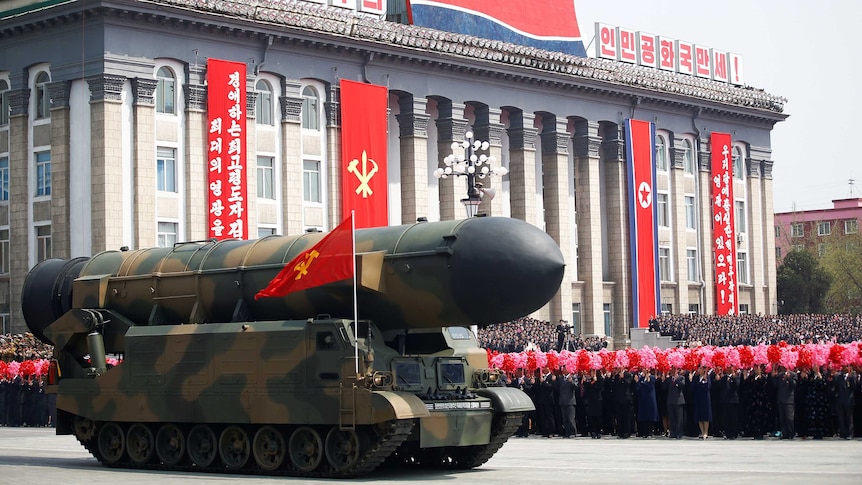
[331, 259]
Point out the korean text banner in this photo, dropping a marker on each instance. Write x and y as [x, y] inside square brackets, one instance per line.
[724, 239]
[363, 149]
[544, 24]
[640, 153]
[226, 167]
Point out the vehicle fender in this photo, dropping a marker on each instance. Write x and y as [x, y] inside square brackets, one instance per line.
[507, 399]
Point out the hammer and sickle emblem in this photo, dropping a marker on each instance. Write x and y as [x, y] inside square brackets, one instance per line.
[365, 175]
[644, 195]
[301, 267]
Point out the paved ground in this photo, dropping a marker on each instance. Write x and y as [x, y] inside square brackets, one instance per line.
[37, 456]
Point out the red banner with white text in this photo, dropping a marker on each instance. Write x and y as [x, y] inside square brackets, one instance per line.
[363, 151]
[724, 238]
[643, 227]
[226, 167]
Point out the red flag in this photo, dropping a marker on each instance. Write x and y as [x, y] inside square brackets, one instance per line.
[724, 239]
[331, 259]
[363, 148]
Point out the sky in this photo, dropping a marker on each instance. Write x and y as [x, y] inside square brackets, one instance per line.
[805, 51]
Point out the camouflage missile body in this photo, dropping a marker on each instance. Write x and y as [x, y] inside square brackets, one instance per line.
[211, 379]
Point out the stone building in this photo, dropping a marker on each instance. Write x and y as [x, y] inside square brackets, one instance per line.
[102, 141]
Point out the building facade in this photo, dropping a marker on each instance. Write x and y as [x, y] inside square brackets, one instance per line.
[812, 230]
[103, 133]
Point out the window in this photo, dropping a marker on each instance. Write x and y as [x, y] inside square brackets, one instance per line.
[661, 207]
[742, 268]
[693, 309]
[743, 308]
[664, 264]
[851, 226]
[689, 212]
[4, 102]
[167, 235]
[691, 261]
[737, 163]
[777, 253]
[687, 157]
[43, 174]
[824, 228]
[263, 105]
[4, 322]
[4, 179]
[821, 250]
[4, 251]
[311, 181]
[265, 180]
[310, 108]
[576, 318]
[166, 91]
[666, 308]
[265, 231]
[166, 170]
[739, 219]
[43, 99]
[798, 247]
[777, 231]
[660, 154]
[43, 242]
[796, 230]
[606, 309]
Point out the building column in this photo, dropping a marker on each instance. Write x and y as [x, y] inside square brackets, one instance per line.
[413, 134]
[197, 159]
[106, 164]
[332, 110]
[522, 166]
[587, 144]
[250, 175]
[617, 223]
[144, 129]
[60, 169]
[706, 253]
[555, 163]
[486, 129]
[679, 239]
[19, 203]
[291, 158]
[450, 128]
[763, 232]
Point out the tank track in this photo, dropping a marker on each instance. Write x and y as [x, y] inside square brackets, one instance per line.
[390, 436]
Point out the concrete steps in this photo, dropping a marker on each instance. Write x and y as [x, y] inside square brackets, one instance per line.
[643, 336]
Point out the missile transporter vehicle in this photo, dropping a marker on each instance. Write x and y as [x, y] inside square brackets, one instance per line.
[210, 379]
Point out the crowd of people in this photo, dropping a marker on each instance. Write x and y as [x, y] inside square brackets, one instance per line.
[23, 401]
[706, 403]
[526, 333]
[726, 330]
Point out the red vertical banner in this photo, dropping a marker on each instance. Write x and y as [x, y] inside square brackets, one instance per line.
[363, 153]
[724, 239]
[226, 167]
[643, 226]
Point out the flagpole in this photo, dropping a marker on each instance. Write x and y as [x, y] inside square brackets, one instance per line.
[355, 305]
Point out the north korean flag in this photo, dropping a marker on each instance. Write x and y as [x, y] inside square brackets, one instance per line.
[544, 24]
[640, 152]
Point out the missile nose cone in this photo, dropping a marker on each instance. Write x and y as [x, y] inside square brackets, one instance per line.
[503, 269]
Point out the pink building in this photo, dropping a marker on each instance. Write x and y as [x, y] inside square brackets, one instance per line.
[809, 229]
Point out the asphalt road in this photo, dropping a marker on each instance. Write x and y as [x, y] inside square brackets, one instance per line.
[37, 456]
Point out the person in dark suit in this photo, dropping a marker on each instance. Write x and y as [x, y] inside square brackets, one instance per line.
[845, 383]
[758, 411]
[817, 404]
[674, 387]
[593, 386]
[647, 405]
[623, 402]
[701, 385]
[785, 388]
[545, 403]
[729, 398]
[567, 386]
[4, 389]
[13, 402]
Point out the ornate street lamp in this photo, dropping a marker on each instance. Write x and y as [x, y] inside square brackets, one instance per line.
[469, 159]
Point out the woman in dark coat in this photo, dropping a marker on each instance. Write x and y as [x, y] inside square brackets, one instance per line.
[701, 385]
[593, 389]
[647, 405]
[817, 411]
[758, 409]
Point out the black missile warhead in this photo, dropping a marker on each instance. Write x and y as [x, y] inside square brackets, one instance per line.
[502, 269]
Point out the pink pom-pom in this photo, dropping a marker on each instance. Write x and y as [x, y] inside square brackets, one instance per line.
[541, 359]
[760, 356]
[706, 353]
[819, 354]
[497, 361]
[13, 369]
[648, 359]
[595, 360]
[788, 358]
[676, 358]
[731, 357]
[621, 359]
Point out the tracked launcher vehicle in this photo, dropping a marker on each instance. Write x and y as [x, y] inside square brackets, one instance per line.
[210, 379]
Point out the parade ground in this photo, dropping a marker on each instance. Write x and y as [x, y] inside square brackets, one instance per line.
[36, 455]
